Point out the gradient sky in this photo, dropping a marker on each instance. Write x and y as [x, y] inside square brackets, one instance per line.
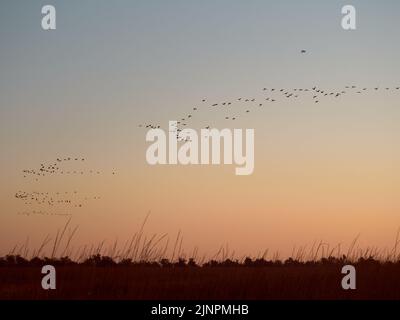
[325, 172]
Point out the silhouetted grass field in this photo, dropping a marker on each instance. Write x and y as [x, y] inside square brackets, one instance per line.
[255, 279]
[144, 268]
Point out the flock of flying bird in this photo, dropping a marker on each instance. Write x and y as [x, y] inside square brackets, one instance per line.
[248, 105]
[55, 168]
[43, 213]
[53, 200]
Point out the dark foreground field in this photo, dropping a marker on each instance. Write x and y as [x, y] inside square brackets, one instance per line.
[263, 280]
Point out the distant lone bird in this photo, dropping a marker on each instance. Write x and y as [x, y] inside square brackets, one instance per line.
[303, 51]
